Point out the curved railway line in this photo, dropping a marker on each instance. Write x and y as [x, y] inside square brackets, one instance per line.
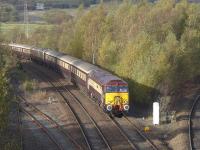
[134, 134]
[51, 120]
[43, 128]
[94, 138]
[19, 126]
[131, 135]
[131, 138]
[194, 125]
[145, 138]
[110, 139]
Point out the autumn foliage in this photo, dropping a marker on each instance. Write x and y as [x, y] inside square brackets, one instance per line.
[154, 46]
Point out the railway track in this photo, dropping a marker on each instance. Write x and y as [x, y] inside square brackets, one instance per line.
[194, 125]
[122, 133]
[60, 128]
[93, 135]
[108, 135]
[82, 140]
[19, 126]
[43, 128]
[146, 141]
[134, 135]
[96, 123]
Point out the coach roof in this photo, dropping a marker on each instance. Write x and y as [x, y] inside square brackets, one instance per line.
[86, 67]
[53, 53]
[68, 59]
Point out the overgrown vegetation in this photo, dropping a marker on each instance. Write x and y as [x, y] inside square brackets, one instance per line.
[7, 142]
[7, 12]
[155, 47]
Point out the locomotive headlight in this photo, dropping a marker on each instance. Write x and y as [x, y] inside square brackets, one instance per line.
[109, 107]
[126, 107]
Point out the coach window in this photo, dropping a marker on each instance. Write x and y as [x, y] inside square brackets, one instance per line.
[84, 77]
[77, 72]
[66, 65]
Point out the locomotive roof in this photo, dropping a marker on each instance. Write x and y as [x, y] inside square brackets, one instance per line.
[104, 77]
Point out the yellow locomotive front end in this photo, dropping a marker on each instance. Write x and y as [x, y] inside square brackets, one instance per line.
[116, 98]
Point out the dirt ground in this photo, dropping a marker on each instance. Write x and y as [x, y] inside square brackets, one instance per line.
[174, 134]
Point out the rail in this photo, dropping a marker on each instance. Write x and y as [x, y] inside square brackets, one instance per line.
[44, 129]
[91, 119]
[190, 122]
[50, 119]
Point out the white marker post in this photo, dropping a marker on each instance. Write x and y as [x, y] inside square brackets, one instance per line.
[156, 113]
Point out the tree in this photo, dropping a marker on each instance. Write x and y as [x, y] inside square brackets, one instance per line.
[7, 12]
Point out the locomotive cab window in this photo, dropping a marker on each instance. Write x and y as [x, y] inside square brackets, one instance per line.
[123, 89]
[110, 89]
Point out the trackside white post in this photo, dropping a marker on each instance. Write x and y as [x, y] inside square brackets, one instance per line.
[156, 113]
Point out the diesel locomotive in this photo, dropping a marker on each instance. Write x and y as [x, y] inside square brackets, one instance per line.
[108, 90]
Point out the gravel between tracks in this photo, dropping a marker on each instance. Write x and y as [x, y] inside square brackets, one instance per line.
[111, 132]
[94, 138]
[104, 122]
[55, 109]
[33, 137]
[174, 135]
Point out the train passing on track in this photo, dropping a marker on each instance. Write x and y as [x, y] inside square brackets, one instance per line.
[110, 91]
